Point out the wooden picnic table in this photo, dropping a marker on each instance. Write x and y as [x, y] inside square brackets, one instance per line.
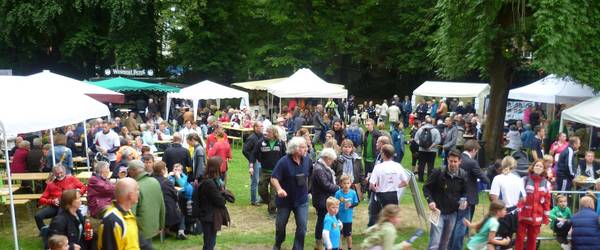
[28, 176]
[79, 159]
[239, 129]
[4, 190]
[84, 175]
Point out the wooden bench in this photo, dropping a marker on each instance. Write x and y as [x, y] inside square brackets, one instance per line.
[26, 196]
[235, 139]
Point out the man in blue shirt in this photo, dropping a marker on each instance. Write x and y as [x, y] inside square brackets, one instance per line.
[290, 180]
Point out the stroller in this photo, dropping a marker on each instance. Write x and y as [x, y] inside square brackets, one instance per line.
[522, 162]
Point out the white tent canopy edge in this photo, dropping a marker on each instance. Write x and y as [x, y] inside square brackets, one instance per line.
[479, 91]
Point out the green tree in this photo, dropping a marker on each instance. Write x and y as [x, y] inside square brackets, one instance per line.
[490, 37]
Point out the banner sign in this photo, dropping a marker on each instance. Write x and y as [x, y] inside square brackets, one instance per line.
[129, 72]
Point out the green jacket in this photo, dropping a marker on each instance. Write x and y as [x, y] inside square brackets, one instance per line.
[557, 212]
[150, 209]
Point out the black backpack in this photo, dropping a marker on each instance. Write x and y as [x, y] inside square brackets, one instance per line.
[425, 138]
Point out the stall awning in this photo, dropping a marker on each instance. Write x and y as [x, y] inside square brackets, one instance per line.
[553, 89]
[121, 84]
[59, 82]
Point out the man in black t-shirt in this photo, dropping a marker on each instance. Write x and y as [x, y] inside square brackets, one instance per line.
[536, 145]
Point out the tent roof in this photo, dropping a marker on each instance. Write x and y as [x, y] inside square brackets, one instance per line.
[305, 84]
[451, 89]
[258, 85]
[38, 112]
[553, 89]
[121, 84]
[208, 90]
[263, 84]
[586, 112]
[57, 81]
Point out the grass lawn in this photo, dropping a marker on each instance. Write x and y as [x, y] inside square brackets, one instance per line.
[251, 226]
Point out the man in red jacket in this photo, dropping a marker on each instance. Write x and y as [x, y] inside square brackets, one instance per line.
[51, 196]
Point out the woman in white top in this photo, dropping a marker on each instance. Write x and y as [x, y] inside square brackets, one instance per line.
[514, 138]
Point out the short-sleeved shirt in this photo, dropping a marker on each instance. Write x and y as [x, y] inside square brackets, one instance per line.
[108, 141]
[345, 214]
[331, 224]
[388, 175]
[293, 178]
[480, 240]
[509, 188]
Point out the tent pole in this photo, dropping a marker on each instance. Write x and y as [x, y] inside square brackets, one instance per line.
[52, 146]
[195, 107]
[87, 157]
[168, 106]
[10, 192]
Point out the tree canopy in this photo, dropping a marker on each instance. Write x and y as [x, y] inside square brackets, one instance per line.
[491, 37]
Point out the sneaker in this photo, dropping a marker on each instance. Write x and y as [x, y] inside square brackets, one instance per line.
[255, 204]
[44, 232]
[181, 236]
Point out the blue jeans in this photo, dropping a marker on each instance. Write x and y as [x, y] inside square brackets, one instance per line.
[439, 237]
[460, 230]
[301, 217]
[254, 182]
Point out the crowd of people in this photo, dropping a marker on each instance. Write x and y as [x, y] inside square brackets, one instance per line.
[137, 194]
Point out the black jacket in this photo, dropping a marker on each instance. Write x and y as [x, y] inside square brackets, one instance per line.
[209, 198]
[64, 223]
[177, 154]
[323, 185]
[172, 211]
[34, 160]
[473, 172]
[445, 190]
[595, 166]
[250, 146]
[566, 166]
[268, 157]
[376, 135]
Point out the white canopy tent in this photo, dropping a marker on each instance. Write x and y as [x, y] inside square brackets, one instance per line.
[207, 90]
[479, 91]
[59, 82]
[305, 84]
[587, 112]
[38, 114]
[554, 90]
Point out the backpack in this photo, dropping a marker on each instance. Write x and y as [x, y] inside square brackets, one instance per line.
[425, 138]
[354, 135]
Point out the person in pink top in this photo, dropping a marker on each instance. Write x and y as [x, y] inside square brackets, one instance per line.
[557, 147]
[212, 139]
[222, 149]
[100, 190]
[19, 161]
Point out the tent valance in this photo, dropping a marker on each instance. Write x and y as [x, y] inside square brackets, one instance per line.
[305, 84]
[59, 82]
[207, 90]
[553, 89]
[121, 84]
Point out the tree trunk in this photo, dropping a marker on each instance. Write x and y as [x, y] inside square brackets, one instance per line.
[500, 71]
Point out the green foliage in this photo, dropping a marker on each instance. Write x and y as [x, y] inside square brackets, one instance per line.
[567, 38]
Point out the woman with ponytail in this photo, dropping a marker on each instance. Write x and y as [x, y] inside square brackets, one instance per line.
[485, 237]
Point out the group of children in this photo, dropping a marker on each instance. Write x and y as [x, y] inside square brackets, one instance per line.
[338, 222]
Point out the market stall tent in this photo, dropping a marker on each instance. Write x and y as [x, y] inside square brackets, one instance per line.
[207, 90]
[479, 91]
[305, 84]
[121, 84]
[587, 112]
[264, 84]
[554, 90]
[63, 83]
[38, 113]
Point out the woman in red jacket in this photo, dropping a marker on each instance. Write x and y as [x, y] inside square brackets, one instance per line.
[222, 149]
[534, 210]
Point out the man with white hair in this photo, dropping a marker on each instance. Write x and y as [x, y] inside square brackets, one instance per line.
[290, 180]
[150, 209]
